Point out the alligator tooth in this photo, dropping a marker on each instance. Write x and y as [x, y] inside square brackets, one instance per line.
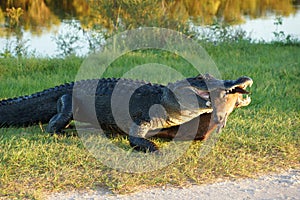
[250, 84]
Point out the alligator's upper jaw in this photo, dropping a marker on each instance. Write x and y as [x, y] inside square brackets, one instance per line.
[231, 87]
[238, 86]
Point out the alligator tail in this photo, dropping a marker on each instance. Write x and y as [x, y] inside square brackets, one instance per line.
[32, 109]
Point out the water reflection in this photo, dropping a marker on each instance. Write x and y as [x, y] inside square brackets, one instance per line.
[37, 22]
[41, 15]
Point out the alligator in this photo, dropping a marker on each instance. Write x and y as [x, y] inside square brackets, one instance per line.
[138, 109]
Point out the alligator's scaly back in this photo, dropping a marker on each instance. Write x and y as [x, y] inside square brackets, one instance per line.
[32, 109]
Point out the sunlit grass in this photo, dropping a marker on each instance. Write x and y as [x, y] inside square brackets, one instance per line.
[260, 138]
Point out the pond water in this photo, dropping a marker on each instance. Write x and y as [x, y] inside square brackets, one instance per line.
[43, 35]
[263, 28]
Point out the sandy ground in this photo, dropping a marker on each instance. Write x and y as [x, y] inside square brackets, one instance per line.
[277, 186]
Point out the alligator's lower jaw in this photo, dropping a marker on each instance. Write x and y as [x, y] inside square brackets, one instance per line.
[243, 101]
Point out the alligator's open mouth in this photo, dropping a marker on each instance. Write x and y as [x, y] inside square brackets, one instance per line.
[243, 99]
[236, 88]
[240, 88]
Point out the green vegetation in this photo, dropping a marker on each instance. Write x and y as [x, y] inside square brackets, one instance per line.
[261, 138]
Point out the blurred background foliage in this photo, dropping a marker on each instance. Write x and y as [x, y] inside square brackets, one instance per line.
[41, 15]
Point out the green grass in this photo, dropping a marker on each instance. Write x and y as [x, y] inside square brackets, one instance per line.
[261, 138]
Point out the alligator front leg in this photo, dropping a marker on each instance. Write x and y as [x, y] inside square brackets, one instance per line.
[64, 115]
[137, 138]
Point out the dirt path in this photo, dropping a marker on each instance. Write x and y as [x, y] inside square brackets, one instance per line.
[280, 186]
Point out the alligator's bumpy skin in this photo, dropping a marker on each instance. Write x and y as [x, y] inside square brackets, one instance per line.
[151, 107]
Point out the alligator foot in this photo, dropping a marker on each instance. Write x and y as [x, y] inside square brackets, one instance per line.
[142, 144]
[63, 117]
